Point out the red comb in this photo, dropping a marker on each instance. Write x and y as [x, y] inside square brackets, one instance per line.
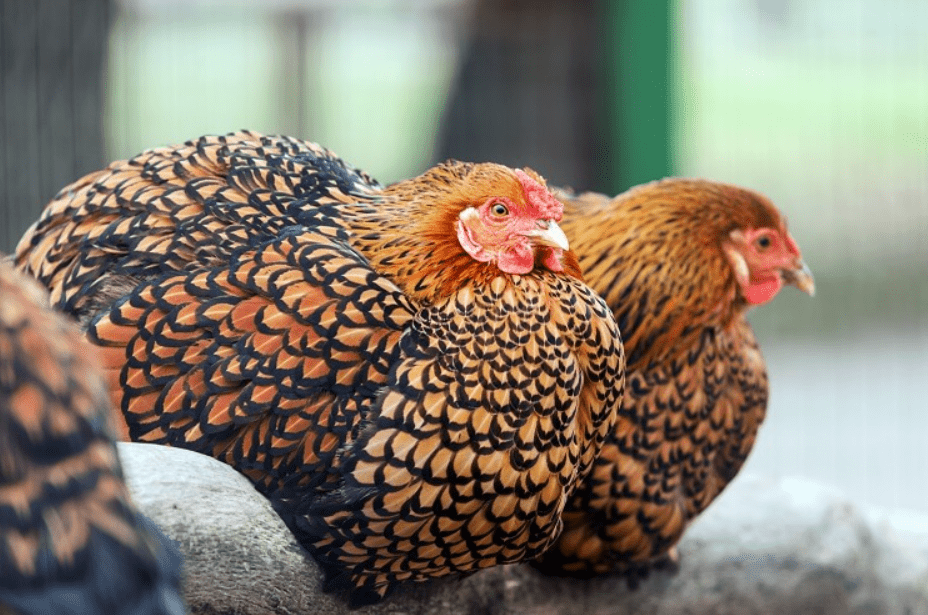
[549, 208]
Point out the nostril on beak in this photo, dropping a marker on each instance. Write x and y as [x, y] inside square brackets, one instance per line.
[543, 224]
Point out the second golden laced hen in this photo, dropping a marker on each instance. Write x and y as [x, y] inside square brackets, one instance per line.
[71, 542]
[680, 262]
[416, 375]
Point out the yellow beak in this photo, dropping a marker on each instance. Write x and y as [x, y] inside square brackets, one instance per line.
[549, 233]
[801, 278]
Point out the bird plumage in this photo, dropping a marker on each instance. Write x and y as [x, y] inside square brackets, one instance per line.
[671, 260]
[70, 539]
[174, 209]
[415, 379]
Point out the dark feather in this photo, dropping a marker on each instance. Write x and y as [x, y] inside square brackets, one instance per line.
[70, 539]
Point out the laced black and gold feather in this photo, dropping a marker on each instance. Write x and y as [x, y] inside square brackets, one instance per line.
[410, 412]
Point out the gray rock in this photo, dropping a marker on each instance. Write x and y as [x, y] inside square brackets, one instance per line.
[766, 546]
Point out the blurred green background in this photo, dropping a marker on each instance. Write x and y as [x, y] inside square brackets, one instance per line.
[820, 104]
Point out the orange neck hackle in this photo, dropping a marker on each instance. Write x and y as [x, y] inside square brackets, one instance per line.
[413, 232]
[660, 254]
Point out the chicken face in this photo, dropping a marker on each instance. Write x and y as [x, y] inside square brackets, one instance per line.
[764, 259]
[514, 233]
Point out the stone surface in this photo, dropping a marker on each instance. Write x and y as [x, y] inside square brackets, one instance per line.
[766, 546]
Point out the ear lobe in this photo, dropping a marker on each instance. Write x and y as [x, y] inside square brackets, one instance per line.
[738, 264]
[468, 241]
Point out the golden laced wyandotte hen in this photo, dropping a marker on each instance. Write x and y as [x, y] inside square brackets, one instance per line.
[70, 539]
[416, 376]
[680, 262]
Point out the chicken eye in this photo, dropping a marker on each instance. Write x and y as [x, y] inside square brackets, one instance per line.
[763, 242]
[499, 209]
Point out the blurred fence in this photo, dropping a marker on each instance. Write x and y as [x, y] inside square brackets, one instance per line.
[52, 55]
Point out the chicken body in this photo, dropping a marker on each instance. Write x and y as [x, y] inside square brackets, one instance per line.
[414, 375]
[680, 262]
[70, 539]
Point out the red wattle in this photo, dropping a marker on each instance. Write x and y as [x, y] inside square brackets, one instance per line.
[517, 260]
[761, 291]
[552, 259]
